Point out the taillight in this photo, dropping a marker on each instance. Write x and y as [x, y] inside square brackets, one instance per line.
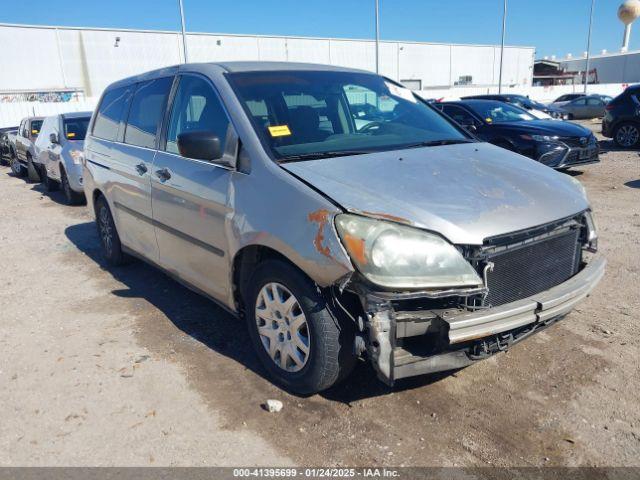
[608, 107]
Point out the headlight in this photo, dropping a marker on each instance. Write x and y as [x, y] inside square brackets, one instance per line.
[394, 256]
[540, 138]
[592, 231]
[76, 156]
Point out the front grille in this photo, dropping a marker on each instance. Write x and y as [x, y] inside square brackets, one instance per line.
[530, 268]
[575, 142]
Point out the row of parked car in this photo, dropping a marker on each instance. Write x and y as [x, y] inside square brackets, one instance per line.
[340, 215]
[49, 150]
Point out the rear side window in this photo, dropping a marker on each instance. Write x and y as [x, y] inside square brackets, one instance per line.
[196, 107]
[147, 108]
[111, 113]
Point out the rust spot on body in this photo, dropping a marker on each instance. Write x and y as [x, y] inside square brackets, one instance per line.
[321, 217]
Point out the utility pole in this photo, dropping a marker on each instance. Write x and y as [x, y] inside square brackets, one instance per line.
[504, 28]
[184, 36]
[586, 74]
[377, 37]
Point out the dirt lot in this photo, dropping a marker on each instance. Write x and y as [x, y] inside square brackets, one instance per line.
[125, 367]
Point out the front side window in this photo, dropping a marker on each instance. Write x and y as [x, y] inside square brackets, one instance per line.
[326, 113]
[111, 113]
[460, 115]
[76, 128]
[196, 108]
[145, 114]
[595, 102]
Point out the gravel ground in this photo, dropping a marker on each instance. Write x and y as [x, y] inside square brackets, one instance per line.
[126, 367]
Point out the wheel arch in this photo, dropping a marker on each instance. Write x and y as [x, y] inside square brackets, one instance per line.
[244, 263]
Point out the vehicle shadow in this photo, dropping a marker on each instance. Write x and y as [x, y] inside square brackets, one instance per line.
[57, 196]
[607, 146]
[211, 325]
[633, 184]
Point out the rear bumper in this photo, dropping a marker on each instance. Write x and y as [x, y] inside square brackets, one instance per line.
[465, 338]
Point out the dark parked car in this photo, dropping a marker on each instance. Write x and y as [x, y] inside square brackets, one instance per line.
[622, 118]
[524, 102]
[7, 149]
[558, 145]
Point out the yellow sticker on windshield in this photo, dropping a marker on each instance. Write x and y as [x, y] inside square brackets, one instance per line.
[488, 119]
[71, 134]
[279, 130]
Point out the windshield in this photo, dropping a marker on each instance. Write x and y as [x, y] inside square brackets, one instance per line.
[498, 112]
[76, 128]
[326, 113]
[36, 125]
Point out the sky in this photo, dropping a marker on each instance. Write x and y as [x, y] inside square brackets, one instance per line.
[554, 27]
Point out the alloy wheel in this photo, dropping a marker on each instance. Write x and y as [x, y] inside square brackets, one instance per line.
[627, 136]
[106, 232]
[282, 327]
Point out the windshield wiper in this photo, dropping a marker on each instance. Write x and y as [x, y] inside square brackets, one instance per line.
[438, 143]
[316, 155]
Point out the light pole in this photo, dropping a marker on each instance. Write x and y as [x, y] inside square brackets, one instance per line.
[377, 38]
[586, 74]
[184, 36]
[504, 28]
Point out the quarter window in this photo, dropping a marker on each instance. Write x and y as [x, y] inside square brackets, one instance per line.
[111, 113]
[147, 107]
[196, 107]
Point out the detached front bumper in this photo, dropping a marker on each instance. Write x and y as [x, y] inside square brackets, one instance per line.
[457, 338]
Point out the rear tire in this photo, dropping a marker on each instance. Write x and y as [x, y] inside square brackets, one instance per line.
[32, 174]
[627, 135]
[109, 238]
[70, 197]
[329, 356]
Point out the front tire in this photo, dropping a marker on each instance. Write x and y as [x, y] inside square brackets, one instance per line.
[627, 135]
[32, 174]
[302, 345]
[111, 246]
[70, 197]
[49, 184]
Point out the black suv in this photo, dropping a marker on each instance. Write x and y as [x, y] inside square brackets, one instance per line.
[622, 118]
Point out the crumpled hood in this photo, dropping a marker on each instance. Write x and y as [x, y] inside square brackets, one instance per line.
[467, 192]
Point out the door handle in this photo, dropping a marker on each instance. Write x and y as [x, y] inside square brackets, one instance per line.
[141, 168]
[163, 174]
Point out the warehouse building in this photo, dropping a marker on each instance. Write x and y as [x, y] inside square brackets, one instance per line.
[620, 67]
[65, 62]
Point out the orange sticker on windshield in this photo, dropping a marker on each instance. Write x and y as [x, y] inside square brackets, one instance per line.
[279, 130]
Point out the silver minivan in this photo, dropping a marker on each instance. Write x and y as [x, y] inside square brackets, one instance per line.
[339, 214]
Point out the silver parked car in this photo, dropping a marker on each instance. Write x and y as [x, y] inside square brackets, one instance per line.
[400, 239]
[58, 154]
[591, 106]
[22, 162]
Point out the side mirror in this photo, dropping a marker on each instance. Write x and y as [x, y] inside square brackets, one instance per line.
[471, 128]
[199, 145]
[53, 138]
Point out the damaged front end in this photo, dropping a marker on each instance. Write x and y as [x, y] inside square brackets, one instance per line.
[530, 279]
